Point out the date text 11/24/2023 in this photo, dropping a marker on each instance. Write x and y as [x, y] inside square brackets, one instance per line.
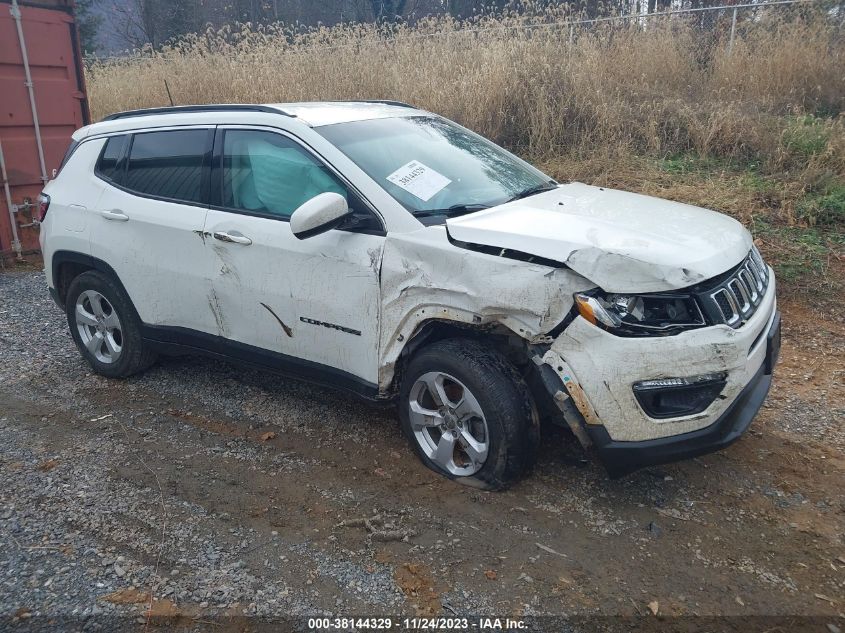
[415, 624]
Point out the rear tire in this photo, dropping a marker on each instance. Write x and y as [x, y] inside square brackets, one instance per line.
[105, 326]
[468, 414]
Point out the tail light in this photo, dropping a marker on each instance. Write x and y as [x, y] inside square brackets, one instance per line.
[43, 205]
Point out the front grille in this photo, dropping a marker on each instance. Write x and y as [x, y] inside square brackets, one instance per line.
[736, 298]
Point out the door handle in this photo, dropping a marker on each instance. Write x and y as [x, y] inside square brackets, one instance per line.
[234, 237]
[114, 214]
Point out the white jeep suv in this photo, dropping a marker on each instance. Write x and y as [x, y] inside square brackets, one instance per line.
[387, 251]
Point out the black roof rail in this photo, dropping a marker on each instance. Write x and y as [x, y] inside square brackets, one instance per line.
[237, 107]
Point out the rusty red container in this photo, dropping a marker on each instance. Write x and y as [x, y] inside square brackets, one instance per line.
[58, 82]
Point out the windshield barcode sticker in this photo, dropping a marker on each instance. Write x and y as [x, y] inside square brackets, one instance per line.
[419, 180]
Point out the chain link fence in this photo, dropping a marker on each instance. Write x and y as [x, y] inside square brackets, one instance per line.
[723, 22]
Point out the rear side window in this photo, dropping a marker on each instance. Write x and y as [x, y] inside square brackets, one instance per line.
[168, 164]
[107, 164]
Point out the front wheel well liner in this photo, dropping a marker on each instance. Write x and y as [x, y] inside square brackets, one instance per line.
[433, 330]
[516, 349]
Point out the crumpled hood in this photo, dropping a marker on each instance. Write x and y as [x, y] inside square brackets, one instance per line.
[622, 242]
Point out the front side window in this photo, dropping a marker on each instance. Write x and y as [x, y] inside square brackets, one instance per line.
[168, 164]
[268, 174]
[107, 164]
[434, 167]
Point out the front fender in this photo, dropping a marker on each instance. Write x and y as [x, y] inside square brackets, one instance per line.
[425, 277]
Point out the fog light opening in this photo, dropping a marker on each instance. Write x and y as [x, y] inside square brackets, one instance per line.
[675, 397]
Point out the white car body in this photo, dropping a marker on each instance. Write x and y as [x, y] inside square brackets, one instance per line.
[354, 303]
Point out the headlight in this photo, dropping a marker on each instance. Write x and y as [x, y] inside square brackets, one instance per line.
[640, 315]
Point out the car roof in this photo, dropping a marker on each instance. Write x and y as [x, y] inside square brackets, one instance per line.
[317, 113]
[311, 114]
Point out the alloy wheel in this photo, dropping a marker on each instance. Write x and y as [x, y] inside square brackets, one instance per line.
[448, 423]
[99, 326]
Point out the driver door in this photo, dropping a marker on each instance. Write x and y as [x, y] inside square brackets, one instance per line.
[312, 306]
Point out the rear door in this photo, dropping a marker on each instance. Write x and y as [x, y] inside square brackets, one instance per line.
[148, 225]
[310, 305]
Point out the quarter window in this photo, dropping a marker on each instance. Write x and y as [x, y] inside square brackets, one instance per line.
[107, 164]
[168, 164]
[268, 174]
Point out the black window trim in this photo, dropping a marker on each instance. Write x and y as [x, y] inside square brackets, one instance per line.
[118, 163]
[216, 180]
[123, 163]
[74, 145]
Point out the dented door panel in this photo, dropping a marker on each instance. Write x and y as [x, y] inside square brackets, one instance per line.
[315, 299]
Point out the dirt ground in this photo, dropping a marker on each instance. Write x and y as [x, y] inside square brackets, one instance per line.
[207, 490]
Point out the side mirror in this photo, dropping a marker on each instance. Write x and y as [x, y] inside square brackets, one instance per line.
[320, 214]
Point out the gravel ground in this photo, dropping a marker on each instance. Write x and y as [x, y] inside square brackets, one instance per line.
[210, 492]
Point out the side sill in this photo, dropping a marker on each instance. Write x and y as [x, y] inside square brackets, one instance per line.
[178, 341]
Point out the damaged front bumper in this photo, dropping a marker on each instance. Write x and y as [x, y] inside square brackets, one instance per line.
[622, 458]
[591, 375]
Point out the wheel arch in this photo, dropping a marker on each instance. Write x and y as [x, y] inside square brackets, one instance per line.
[68, 265]
[430, 331]
[514, 348]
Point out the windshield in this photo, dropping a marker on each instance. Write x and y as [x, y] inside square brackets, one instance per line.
[433, 167]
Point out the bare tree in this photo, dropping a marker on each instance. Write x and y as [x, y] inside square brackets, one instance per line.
[388, 10]
[88, 24]
[140, 22]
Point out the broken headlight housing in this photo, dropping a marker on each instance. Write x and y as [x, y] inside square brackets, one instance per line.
[660, 314]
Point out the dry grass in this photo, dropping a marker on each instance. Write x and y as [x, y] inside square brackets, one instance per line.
[667, 89]
[606, 106]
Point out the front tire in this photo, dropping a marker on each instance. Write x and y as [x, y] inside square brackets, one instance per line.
[468, 414]
[105, 326]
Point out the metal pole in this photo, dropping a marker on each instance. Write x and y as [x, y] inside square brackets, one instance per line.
[16, 14]
[16, 243]
[733, 33]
